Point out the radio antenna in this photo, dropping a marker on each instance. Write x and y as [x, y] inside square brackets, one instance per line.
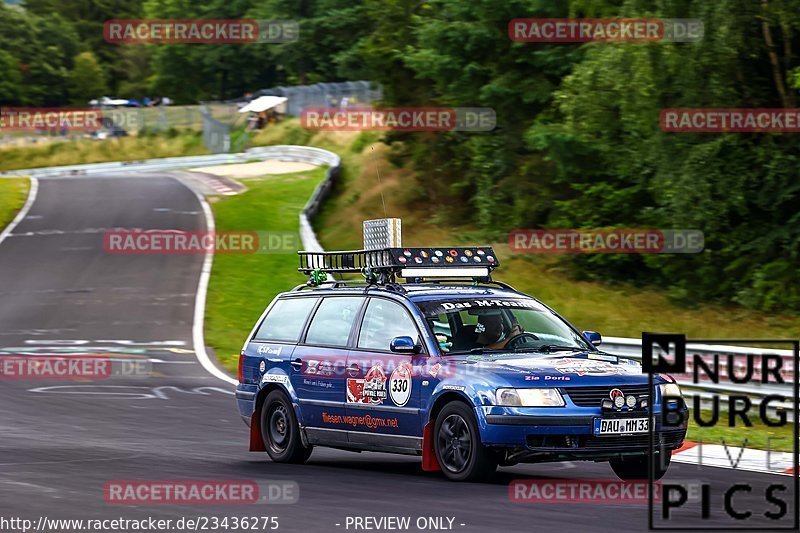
[380, 185]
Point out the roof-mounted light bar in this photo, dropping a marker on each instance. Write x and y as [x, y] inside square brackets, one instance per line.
[384, 264]
[445, 257]
[454, 272]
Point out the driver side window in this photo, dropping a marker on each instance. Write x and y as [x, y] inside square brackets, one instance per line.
[383, 321]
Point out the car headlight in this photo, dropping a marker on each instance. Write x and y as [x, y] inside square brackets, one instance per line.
[670, 389]
[529, 398]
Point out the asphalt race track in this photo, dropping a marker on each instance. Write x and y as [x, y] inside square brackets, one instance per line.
[62, 441]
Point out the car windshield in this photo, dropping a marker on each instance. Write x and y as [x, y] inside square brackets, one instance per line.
[498, 325]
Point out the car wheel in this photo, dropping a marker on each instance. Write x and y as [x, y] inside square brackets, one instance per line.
[458, 446]
[635, 468]
[280, 430]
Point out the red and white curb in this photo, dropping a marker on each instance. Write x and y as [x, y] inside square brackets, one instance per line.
[221, 188]
[212, 184]
[735, 458]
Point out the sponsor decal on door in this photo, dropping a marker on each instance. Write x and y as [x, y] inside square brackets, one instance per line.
[371, 389]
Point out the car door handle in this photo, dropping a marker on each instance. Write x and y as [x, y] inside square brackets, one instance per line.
[297, 364]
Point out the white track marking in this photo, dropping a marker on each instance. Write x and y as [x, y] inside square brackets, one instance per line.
[736, 458]
[24, 211]
[122, 391]
[198, 337]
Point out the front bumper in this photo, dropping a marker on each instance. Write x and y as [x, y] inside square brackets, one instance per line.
[569, 433]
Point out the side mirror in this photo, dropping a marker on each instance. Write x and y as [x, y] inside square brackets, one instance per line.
[593, 337]
[404, 345]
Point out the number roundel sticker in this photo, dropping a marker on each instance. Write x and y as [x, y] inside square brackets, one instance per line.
[400, 384]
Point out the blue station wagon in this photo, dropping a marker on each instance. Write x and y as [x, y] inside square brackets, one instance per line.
[451, 366]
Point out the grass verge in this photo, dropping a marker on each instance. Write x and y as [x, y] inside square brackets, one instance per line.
[168, 144]
[759, 435]
[242, 285]
[13, 193]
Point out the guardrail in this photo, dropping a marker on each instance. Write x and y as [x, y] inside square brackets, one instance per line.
[706, 389]
[278, 152]
[320, 157]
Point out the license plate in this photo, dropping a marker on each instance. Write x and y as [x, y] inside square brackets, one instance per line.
[620, 426]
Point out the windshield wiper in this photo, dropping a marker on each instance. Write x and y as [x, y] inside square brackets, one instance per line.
[475, 351]
[556, 348]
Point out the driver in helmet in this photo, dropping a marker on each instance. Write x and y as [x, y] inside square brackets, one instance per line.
[492, 332]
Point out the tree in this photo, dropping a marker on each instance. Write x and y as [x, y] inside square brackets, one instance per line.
[87, 79]
[741, 190]
[86, 19]
[10, 78]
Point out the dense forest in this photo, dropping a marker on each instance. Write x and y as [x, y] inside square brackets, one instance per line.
[578, 142]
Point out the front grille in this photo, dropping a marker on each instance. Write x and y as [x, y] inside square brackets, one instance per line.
[638, 441]
[593, 396]
[668, 440]
[561, 442]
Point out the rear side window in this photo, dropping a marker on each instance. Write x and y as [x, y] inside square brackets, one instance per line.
[333, 321]
[285, 320]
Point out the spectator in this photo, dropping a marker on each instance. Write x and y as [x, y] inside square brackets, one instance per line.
[252, 122]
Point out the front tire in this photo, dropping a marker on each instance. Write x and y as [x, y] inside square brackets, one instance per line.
[280, 430]
[458, 446]
[631, 469]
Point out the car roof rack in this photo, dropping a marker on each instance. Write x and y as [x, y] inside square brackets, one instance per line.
[352, 283]
[416, 265]
[473, 284]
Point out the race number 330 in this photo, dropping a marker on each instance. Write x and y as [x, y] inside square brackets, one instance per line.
[400, 384]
